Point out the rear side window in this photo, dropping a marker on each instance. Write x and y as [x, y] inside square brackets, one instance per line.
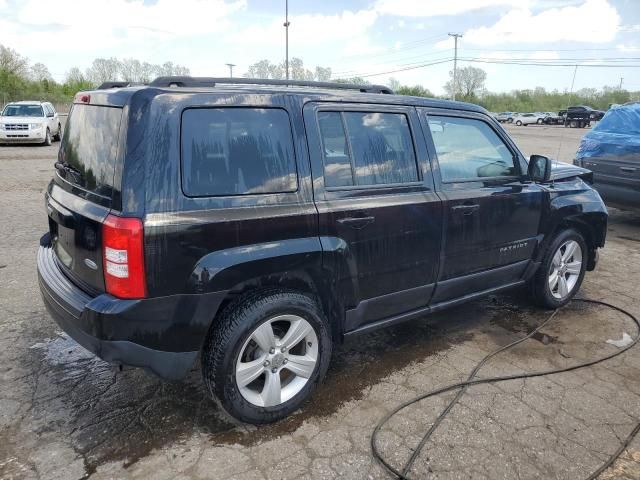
[89, 148]
[469, 149]
[366, 148]
[237, 151]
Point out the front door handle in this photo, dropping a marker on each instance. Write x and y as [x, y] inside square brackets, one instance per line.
[466, 209]
[356, 222]
[628, 169]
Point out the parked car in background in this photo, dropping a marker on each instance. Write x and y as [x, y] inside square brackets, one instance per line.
[611, 150]
[528, 119]
[580, 116]
[505, 117]
[29, 122]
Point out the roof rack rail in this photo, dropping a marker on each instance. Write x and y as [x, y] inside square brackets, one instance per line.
[107, 85]
[213, 81]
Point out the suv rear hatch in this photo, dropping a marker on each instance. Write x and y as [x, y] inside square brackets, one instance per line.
[80, 196]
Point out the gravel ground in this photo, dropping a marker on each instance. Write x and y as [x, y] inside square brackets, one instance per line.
[65, 414]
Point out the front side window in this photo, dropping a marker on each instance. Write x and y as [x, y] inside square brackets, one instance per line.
[367, 148]
[237, 151]
[469, 149]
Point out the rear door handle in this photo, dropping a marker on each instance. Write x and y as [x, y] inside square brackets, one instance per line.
[356, 222]
[466, 209]
[628, 169]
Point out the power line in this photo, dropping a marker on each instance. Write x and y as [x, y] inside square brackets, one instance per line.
[538, 49]
[405, 46]
[499, 62]
[405, 69]
[507, 62]
[542, 61]
[395, 63]
[524, 62]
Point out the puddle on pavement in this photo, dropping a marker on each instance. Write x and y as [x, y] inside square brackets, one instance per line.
[112, 416]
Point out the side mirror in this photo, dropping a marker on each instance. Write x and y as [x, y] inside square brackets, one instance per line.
[539, 168]
[49, 115]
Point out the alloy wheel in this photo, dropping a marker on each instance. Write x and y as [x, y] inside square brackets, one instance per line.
[277, 360]
[565, 269]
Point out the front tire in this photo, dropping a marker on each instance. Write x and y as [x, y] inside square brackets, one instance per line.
[519, 123]
[265, 355]
[539, 121]
[47, 138]
[561, 271]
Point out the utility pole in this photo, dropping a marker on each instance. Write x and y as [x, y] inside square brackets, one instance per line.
[455, 63]
[286, 41]
[230, 65]
[621, 83]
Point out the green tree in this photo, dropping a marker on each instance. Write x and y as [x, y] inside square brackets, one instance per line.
[297, 71]
[354, 80]
[416, 91]
[469, 83]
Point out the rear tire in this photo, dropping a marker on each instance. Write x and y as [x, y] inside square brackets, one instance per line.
[519, 123]
[539, 122]
[561, 271]
[248, 364]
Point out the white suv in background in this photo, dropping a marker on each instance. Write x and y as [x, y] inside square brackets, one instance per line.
[529, 118]
[29, 122]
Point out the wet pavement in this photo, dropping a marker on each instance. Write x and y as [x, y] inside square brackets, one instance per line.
[66, 414]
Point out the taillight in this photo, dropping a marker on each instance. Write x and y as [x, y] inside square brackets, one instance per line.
[81, 97]
[123, 256]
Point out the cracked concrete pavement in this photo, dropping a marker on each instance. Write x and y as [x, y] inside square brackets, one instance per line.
[65, 414]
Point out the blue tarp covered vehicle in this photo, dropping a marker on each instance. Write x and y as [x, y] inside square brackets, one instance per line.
[612, 151]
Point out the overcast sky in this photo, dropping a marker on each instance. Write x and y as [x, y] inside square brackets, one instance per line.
[353, 37]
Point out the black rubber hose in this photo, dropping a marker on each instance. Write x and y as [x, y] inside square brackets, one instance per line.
[463, 386]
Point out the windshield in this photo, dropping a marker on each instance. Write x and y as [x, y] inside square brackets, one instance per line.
[23, 111]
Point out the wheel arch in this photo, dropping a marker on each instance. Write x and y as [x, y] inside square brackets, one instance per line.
[589, 218]
[295, 264]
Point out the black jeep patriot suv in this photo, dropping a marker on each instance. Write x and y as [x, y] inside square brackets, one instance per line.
[254, 223]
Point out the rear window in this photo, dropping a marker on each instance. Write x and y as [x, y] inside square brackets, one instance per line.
[237, 151]
[89, 148]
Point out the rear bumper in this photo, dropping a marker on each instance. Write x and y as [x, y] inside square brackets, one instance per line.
[163, 335]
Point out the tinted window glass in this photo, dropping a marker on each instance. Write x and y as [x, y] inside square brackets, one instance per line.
[337, 164]
[382, 148]
[89, 147]
[234, 151]
[379, 149]
[468, 149]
